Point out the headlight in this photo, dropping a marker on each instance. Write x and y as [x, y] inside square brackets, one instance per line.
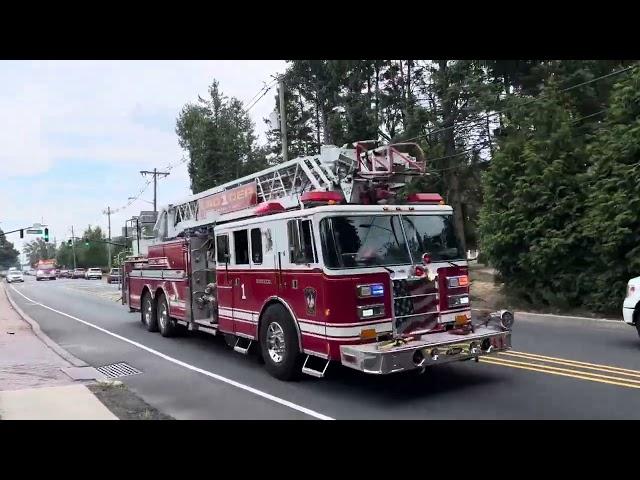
[461, 281]
[373, 290]
[630, 290]
[458, 300]
[39, 272]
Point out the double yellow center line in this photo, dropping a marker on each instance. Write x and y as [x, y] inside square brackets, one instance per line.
[567, 368]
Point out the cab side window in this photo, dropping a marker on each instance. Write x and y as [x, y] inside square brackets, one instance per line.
[222, 248]
[256, 245]
[301, 248]
[241, 247]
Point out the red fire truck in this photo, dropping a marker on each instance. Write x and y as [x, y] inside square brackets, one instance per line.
[317, 260]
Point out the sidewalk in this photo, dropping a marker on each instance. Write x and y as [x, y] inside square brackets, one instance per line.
[32, 383]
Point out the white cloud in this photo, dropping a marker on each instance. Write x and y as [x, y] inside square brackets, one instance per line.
[56, 114]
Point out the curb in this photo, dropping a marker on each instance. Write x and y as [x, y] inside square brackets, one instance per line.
[76, 362]
[563, 317]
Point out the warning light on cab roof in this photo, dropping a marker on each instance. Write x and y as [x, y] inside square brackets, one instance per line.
[429, 198]
[322, 198]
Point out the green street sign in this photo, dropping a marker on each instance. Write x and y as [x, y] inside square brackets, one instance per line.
[34, 232]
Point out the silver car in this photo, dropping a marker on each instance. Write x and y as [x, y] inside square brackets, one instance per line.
[93, 273]
[14, 275]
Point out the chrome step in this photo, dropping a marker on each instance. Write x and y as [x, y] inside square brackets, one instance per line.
[312, 371]
[238, 347]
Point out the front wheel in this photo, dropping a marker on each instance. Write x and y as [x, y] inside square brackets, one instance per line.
[165, 322]
[148, 313]
[279, 343]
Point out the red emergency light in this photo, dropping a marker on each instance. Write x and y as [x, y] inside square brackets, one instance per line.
[328, 198]
[268, 208]
[432, 198]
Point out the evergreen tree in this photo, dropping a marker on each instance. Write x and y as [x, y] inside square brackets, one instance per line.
[611, 226]
[218, 136]
[8, 254]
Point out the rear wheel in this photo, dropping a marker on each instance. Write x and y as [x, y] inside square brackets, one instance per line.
[148, 313]
[165, 322]
[279, 343]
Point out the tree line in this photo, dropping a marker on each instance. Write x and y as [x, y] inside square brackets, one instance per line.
[91, 250]
[537, 157]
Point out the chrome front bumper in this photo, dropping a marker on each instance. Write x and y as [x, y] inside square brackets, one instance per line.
[430, 349]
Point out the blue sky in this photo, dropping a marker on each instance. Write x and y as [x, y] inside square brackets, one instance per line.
[75, 134]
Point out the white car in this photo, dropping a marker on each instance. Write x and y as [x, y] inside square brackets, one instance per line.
[93, 273]
[14, 275]
[631, 305]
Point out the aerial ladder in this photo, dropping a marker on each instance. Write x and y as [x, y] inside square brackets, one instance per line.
[363, 175]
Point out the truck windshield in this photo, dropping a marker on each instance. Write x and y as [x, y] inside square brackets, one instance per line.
[432, 234]
[379, 240]
[363, 241]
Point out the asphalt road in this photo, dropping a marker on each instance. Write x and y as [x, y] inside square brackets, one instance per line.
[558, 369]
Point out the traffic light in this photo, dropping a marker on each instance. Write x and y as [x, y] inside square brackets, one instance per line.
[46, 234]
[86, 243]
[69, 242]
[21, 233]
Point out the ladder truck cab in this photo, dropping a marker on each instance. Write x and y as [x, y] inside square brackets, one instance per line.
[318, 260]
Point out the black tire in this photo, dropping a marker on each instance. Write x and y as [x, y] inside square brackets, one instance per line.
[38, 279]
[288, 368]
[148, 313]
[166, 324]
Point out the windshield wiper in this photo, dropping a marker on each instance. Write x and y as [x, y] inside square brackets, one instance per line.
[450, 263]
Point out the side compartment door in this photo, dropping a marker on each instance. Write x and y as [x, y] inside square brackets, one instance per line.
[224, 285]
[200, 274]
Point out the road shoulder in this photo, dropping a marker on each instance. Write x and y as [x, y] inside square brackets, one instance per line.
[125, 404]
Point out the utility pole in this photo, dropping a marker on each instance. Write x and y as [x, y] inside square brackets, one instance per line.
[155, 174]
[283, 118]
[108, 213]
[73, 247]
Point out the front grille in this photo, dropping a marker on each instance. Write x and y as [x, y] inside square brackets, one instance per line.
[415, 305]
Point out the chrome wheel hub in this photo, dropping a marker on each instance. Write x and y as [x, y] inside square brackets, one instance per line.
[163, 315]
[275, 342]
[147, 312]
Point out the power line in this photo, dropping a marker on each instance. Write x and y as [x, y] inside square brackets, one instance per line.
[260, 91]
[258, 99]
[483, 145]
[528, 102]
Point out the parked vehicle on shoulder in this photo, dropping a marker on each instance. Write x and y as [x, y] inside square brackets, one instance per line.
[78, 273]
[64, 273]
[93, 273]
[114, 276]
[14, 275]
[631, 304]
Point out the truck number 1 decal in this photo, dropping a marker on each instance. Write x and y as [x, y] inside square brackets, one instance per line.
[244, 297]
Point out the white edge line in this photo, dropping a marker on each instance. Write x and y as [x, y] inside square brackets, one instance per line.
[255, 391]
